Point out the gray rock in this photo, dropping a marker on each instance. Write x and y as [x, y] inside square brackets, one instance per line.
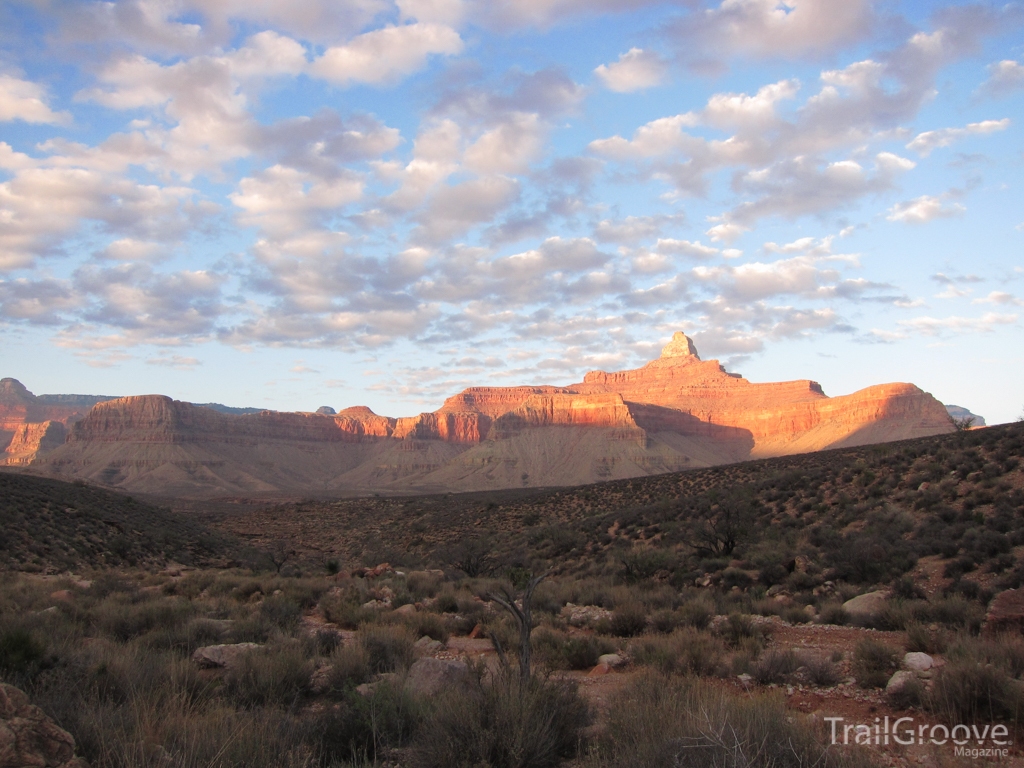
[428, 677]
[866, 607]
[899, 680]
[426, 645]
[613, 660]
[224, 655]
[918, 662]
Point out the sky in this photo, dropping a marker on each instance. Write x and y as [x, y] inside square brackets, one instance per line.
[380, 202]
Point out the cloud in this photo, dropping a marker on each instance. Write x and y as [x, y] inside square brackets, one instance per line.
[923, 209]
[925, 142]
[509, 147]
[453, 210]
[386, 55]
[175, 361]
[685, 248]
[931, 326]
[26, 101]
[769, 28]
[635, 70]
[1004, 77]
[1000, 297]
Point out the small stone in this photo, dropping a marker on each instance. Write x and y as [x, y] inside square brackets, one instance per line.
[899, 680]
[63, 595]
[600, 669]
[428, 677]
[224, 655]
[613, 660]
[406, 610]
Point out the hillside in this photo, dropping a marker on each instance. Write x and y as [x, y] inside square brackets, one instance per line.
[54, 526]
[676, 412]
[863, 515]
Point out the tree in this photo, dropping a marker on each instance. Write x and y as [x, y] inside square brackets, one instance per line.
[720, 524]
[520, 609]
[279, 552]
[961, 424]
[471, 556]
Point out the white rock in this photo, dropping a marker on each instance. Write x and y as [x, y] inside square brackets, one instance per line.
[918, 662]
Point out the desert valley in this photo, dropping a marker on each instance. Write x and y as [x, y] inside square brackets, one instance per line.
[663, 566]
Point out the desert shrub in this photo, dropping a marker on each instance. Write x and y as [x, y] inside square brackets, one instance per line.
[734, 577]
[281, 611]
[628, 620]
[388, 648]
[345, 611]
[966, 692]
[21, 652]
[505, 723]
[686, 651]
[1005, 652]
[184, 637]
[874, 663]
[775, 666]
[739, 628]
[349, 667]
[561, 651]
[697, 613]
[423, 584]
[821, 671]
[446, 602]
[659, 721]
[921, 638]
[428, 624]
[276, 675]
[123, 620]
[666, 621]
[325, 641]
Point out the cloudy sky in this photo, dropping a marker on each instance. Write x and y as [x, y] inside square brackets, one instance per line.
[379, 202]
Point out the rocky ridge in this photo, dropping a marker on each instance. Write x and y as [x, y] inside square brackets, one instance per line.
[675, 412]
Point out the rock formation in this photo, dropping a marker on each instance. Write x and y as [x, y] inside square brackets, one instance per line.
[675, 412]
[29, 738]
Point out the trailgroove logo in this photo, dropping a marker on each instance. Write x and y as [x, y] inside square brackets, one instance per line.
[974, 741]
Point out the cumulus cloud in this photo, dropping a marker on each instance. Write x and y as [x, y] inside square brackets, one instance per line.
[25, 100]
[1004, 77]
[925, 143]
[386, 55]
[635, 70]
[923, 209]
[1001, 298]
[695, 250]
[764, 28]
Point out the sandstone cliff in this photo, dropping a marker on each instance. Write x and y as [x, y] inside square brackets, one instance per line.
[673, 413]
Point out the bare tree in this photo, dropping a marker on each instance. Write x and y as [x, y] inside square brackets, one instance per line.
[521, 611]
[720, 526]
[961, 424]
[279, 552]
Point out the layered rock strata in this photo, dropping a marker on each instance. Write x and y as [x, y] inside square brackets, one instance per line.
[674, 412]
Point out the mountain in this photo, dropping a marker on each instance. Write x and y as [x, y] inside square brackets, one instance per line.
[676, 412]
[960, 413]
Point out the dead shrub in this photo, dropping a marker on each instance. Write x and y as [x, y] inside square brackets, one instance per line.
[874, 663]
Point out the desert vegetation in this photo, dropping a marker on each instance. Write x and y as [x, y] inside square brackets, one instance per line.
[703, 618]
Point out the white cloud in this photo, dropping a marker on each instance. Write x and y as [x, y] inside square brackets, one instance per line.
[686, 248]
[386, 55]
[658, 137]
[923, 209]
[931, 326]
[1001, 298]
[763, 28]
[509, 147]
[25, 100]
[635, 70]
[925, 142]
[1004, 78]
[450, 12]
[180, 362]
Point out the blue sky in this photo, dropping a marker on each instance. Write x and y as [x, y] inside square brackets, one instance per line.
[381, 202]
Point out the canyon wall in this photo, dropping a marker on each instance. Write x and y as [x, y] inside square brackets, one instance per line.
[675, 412]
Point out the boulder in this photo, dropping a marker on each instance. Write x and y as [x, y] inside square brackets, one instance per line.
[428, 677]
[62, 595]
[613, 660]
[918, 662]
[1006, 612]
[867, 607]
[31, 739]
[899, 680]
[600, 669]
[222, 656]
[427, 645]
[581, 615]
[405, 610]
